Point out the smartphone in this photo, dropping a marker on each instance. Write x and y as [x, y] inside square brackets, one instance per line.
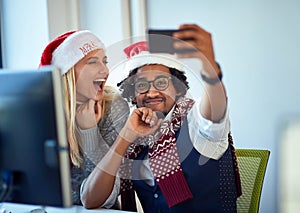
[161, 41]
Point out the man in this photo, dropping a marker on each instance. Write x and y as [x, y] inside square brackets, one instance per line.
[177, 156]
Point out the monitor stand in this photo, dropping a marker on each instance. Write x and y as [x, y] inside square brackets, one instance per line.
[38, 210]
[7, 207]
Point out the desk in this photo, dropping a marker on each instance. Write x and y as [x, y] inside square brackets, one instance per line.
[24, 208]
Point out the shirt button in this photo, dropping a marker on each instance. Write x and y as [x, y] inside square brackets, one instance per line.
[155, 195]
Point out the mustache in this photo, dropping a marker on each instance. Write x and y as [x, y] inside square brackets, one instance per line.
[152, 99]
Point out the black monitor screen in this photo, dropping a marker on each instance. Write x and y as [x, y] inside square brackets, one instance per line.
[34, 157]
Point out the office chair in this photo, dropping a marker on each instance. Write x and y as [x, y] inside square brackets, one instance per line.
[252, 166]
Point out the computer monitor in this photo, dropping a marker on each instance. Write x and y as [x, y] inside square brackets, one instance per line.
[34, 155]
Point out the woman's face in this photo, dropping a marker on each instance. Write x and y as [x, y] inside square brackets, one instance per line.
[91, 73]
[159, 97]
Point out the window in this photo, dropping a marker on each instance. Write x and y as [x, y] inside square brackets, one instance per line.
[1, 60]
[289, 175]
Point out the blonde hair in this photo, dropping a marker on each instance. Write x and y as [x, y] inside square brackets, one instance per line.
[69, 91]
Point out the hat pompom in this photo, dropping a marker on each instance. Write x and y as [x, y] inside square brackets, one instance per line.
[136, 48]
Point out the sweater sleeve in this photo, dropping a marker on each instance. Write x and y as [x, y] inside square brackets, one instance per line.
[95, 142]
[93, 145]
[112, 198]
[116, 116]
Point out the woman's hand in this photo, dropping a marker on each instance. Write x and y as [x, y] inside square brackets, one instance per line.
[88, 114]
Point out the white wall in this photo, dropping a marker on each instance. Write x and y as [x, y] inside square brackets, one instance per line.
[256, 42]
[25, 32]
[104, 18]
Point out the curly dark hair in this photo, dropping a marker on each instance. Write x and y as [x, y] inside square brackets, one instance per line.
[126, 86]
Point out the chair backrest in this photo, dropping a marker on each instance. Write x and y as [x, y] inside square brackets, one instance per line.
[252, 165]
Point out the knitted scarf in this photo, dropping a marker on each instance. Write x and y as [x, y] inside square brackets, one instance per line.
[163, 160]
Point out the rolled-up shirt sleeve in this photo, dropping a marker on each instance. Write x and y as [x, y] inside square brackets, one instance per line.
[208, 138]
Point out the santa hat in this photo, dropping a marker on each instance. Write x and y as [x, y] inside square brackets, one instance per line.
[69, 48]
[138, 55]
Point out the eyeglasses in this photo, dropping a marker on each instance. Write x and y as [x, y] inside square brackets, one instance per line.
[160, 83]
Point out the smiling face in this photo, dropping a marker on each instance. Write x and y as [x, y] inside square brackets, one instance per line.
[157, 100]
[91, 73]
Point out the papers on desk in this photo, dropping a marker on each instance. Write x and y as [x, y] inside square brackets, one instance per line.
[23, 208]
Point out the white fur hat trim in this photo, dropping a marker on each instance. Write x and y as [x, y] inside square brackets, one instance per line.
[74, 48]
[146, 58]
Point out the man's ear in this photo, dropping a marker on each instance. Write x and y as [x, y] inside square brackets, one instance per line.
[133, 101]
[178, 94]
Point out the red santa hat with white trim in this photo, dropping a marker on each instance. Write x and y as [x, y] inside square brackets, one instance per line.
[138, 55]
[69, 48]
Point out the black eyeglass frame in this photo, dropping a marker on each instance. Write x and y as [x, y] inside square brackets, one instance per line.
[153, 83]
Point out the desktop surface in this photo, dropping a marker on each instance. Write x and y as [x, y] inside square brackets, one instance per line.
[24, 208]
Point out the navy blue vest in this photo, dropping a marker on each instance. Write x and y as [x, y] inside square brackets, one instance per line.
[211, 182]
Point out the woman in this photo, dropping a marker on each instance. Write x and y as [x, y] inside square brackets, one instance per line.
[95, 113]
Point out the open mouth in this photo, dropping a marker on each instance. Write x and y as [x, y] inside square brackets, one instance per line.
[99, 83]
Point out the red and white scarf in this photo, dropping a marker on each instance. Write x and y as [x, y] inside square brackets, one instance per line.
[163, 160]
